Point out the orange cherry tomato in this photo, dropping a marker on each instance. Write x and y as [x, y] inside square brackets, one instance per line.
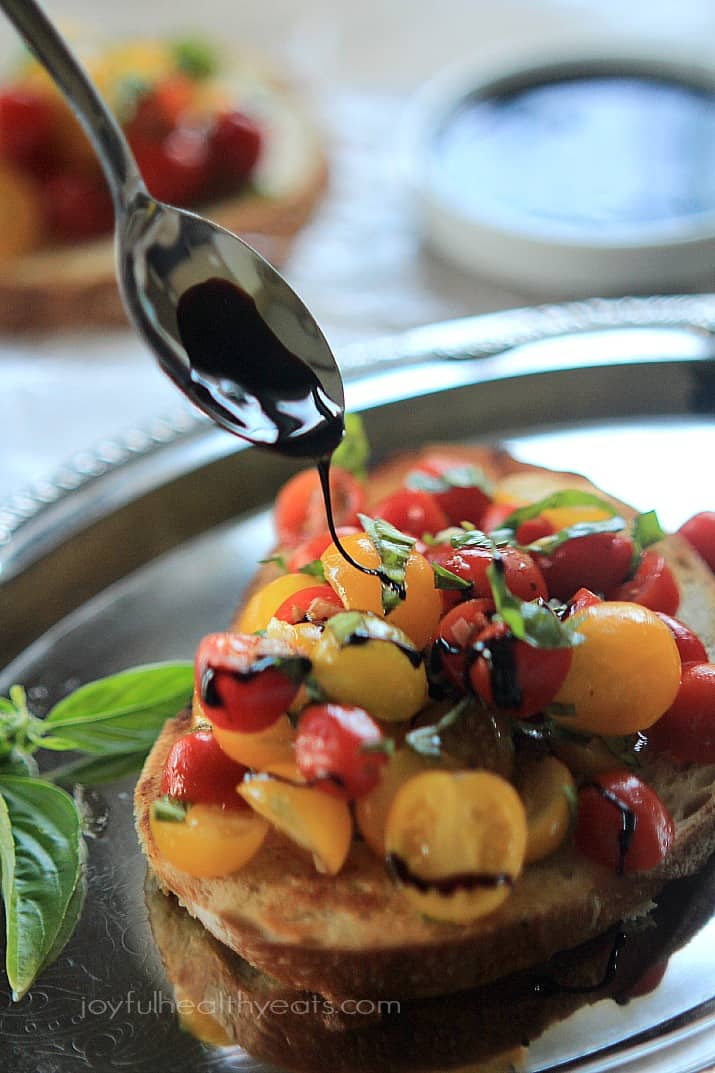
[210, 841]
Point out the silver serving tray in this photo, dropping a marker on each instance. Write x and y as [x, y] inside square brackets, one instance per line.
[130, 555]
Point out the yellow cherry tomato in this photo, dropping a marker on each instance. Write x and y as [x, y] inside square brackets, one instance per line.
[312, 819]
[263, 605]
[377, 675]
[418, 614]
[626, 673]
[468, 827]
[210, 841]
[372, 809]
[563, 517]
[546, 786]
[268, 750]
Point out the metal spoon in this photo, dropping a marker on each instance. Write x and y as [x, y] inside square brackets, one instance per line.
[163, 253]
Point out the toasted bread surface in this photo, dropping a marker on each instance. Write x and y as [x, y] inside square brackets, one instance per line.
[355, 934]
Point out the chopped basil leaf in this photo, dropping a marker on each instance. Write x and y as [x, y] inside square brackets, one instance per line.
[313, 569]
[445, 579]
[393, 548]
[646, 530]
[475, 538]
[168, 810]
[624, 748]
[568, 497]
[533, 622]
[380, 745]
[427, 741]
[548, 544]
[345, 624]
[353, 451]
[195, 57]
[454, 477]
[571, 795]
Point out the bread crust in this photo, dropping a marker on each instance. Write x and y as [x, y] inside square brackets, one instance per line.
[355, 934]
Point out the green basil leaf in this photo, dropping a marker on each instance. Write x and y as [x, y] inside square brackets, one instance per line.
[529, 621]
[168, 810]
[279, 561]
[69, 920]
[548, 544]
[393, 548]
[471, 538]
[313, 569]
[569, 497]
[6, 706]
[427, 741]
[17, 763]
[646, 530]
[42, 855]
[445, 579]
[353, 451]
[195, 57]
[455, 477]
[124, 712]
[96, 770]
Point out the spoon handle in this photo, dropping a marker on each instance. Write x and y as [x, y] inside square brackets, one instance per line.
[101, 127]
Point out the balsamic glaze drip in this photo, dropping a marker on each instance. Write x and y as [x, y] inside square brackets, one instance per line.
[547, 985]
[361, 637]
[209, 692]
[243, 370]
[449, 884]
[629, 822]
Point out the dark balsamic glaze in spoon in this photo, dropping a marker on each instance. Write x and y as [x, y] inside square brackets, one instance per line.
[257, 388]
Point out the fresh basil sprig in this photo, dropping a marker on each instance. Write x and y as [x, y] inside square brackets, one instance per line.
[427, 740]
[114, 722]
[393, 548]
[567, 497]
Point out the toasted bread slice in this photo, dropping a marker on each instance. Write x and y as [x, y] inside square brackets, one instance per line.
[74, 286]
[355, 934]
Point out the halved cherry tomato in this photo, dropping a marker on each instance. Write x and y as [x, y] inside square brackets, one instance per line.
[512, 675]
[26, 126]
[177, 168]
[624, 675]
[271, 750]
[687, 730]
[412, 511]
[264, 603]
[700, 532]
[653, 585]
[235, 145]
[372, 809]
[313, 548]
[598, 562]
[690, 647]
[333, 743]
[533, 529]
[456, 842]
[314, 604]
[622, 823]
[197, 770]
[246, 682]
[210, 841]
[77, 206]
[460, 500]
[300, 510]
[458, 631]
[522, 574]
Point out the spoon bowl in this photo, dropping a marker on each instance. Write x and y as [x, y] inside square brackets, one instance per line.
[221, 321]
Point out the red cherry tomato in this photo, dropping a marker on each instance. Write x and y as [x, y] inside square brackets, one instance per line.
[495, 515]
[412, 511]
[160, 109]
[690, 647]
[606, 806]
[460, 501]
[533, 529]
[313, 548]
[78, 206]
[330, 748]
[581, 600]
[514, 676]
[522, 575]
[300, 511]
[198, 771]
[597, 562]
[315, 604]
[700, 532]
[243, 682]
[458, 631]
[235, 146]
[26, 127]
[687, 730]
[176, 169]
[653, 585]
